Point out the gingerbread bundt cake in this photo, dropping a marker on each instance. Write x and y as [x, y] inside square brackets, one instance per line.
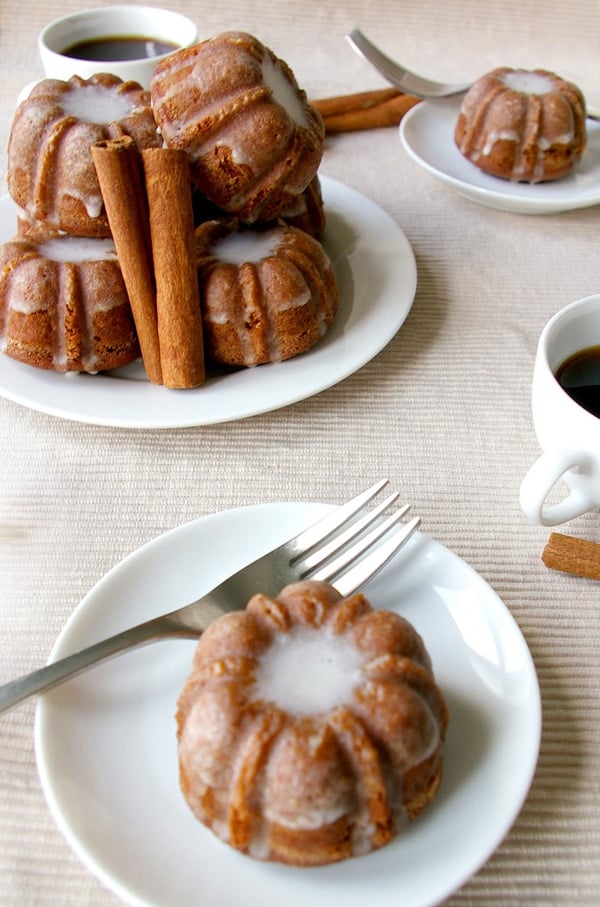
[51, 174]
[266, 295]
[522, 125]
[63, 305]
[253, 140]
[310, 728]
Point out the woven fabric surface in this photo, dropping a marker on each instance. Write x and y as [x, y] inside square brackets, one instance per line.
[443, 410]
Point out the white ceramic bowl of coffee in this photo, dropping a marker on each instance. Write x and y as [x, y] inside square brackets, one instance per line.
[127, 41]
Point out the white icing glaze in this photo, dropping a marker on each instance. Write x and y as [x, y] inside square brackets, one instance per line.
[307, 671]
[528, 82]
[77, 249]
[96, 104]
[238, 248]
[283, 91]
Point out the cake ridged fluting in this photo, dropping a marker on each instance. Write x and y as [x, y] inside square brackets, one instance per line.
[266, 295]
[61, 314]
[310, 785]
[525, 126]
[51, 174]
[253, 140]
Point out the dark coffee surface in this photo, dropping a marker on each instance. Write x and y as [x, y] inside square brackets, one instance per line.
[108, 49]
[579, 376]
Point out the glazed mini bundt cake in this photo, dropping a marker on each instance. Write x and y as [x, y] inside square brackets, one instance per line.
[253, 140]
[63, 305]
[51, 174]
[310, 728]
[266, 295]
[522, 125]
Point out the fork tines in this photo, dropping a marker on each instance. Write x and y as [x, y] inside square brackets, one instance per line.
[354, 543]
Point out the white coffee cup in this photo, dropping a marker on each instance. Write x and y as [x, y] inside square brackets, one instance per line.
[111, 22]
[568, 434]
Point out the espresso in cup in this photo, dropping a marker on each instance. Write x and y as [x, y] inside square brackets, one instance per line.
[565, 402]
[579, 377]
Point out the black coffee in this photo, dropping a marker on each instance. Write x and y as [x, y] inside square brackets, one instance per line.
[579, 376]
[119, 48]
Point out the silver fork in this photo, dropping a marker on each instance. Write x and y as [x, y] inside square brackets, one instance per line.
[346, 548]
[409, 82]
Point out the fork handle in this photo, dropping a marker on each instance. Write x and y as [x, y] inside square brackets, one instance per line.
[16, 691]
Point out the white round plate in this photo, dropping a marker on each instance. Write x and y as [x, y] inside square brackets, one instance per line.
[427, 134]
[377, 277]
[106, 748]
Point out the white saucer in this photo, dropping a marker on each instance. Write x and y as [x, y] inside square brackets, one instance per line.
[427, 134]
[106, 750]
[377, 277]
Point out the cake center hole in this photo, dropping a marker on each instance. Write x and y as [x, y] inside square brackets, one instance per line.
[77, 249]
[308, 671]
[527, 82]
[238, 248]
[96, 104]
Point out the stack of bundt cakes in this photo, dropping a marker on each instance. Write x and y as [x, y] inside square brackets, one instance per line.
[63, 302]
[311, 727]
[253, 144]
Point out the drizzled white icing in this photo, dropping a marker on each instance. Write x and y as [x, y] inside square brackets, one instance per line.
[95, 104]
[283, 91]
[528, 82]
[307, 671]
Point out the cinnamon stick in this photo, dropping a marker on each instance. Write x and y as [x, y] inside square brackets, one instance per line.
[118, 165]
[572, 555]
[364, 110]
[179, 317]
[362, 100]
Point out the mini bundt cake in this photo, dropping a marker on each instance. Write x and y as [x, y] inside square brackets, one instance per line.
[310, 728]
[522, 125]
[266, 295]
[253, 140]
[51, 174]
[63, 305]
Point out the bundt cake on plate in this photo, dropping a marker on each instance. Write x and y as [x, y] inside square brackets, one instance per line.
[266, 295]
[253, 140]
[311, 727]
[63, 305]
[51, 174]
[522, 125]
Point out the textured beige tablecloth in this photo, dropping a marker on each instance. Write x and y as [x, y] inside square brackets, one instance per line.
[443, 411]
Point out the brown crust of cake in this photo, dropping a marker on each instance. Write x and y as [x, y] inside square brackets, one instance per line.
[521, 136]
[247, 154]
[64, 316]
[267, 311]
[51, 174]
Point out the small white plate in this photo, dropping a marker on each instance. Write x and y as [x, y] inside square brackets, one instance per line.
[106, 748]
[427, 134]
[377, 278]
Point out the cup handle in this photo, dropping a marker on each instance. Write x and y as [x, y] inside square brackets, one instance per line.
[540, 480]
